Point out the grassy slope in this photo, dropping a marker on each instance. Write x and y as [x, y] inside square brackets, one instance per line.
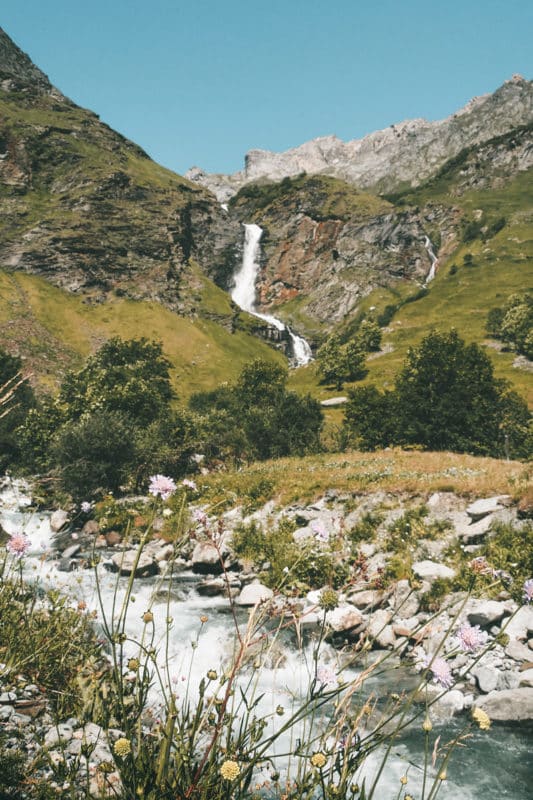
[51, 328]
[289, 480]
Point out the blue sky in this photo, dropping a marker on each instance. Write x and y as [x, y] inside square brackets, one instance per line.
[202, 82]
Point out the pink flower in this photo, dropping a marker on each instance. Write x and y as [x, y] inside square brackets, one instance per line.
[327, 677]
[321, 534]
[189, 484]
[440, 670]
[86, 506]
[18, 544]
[528, 591]
[162, 486]
[471, 638]
[199, 516]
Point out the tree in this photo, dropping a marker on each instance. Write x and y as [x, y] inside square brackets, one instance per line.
[445, 398]
[338, 363]
[127, 376]
[16, 399]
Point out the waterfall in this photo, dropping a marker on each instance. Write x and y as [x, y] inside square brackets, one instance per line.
[434, 260]
[243, 293]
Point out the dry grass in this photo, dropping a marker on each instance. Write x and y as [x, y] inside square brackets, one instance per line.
[396, 471]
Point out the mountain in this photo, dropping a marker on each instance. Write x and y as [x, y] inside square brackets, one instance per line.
[401, 156]
[90, 225]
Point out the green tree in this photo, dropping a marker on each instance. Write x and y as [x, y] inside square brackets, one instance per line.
[16, 399]
[369, 418]
[338, 363]
[127, 376]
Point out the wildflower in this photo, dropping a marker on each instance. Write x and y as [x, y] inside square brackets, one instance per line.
[442, 775]
[189, 484]
[480, 566]
[440, 670]
[122, 747]
[403, 780]
[230, 770]
[408, 797]
[147, 617]
[528, 591]
[280, 711]
[18, 544]
[162, 486]
[328, 599]
[86, 506]
[82, 605]
[327, 677]
[199, 516]
[212, 675]
[203, 619]
[133, 664]
[471, 638]
[481, 718]
[318, 760]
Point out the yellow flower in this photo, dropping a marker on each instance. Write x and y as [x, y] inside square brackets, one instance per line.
[318, 760]
[147, 616]
[403, 780]
[482, 719]
[133, 664]
[212, 675]
[230, 770]
[203, 619]
[122, 747]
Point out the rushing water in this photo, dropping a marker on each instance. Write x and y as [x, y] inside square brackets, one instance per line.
[494, 765]
[244, 293]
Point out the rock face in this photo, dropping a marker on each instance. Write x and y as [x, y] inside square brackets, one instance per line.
[402, 155]
[509, 705]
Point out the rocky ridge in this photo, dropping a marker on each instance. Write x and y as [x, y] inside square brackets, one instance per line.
[403, 155]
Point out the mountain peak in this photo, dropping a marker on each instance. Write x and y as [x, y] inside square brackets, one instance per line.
[16, 68]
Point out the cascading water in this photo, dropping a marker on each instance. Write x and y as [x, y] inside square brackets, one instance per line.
[434, 260]
[243, 293]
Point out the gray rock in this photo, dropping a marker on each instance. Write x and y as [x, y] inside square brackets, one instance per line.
[124, 563]
[60, 734]
[521, 623]
[508, 680]
[344, 618]
[91, 528]
[206, 559]
[485, 612]
[58, 520]
[475, 532]
[253, 594]
[430, 570]
[71, 551]
[510, 705]
[379, 630]
[486, 678]
[453, 702]
[518, 651]
[525, 678]
[8, 697]
[488, 505]
[368, 598]
[404, 601]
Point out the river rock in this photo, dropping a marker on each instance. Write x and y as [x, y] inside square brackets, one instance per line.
[404, 601]
[58, 520]
[379, 630]
[344, 618]
[253, 594]
[486, 506]
[517, 651]
[206, 559]
[485, 612]
[486, 678]
[367, 599]
[450, 703]
[71, 551]
[124, 563]
[431, 570]
[525, 678]
[510, 705]
[521, 624]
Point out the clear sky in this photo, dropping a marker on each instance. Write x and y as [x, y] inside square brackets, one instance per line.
[201, 82]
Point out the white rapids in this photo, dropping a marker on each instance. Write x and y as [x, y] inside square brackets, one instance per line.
[243, 293]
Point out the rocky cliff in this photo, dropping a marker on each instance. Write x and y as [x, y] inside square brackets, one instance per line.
[403, 155]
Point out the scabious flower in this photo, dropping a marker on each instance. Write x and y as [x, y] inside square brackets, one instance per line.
[327, 677]
[162, 486]
[528, 591]
[18, 544]
[122, 747]
[328, 599]
[481, 718]
[471, 638]
[480, 566]
[230, 770]
[189, 484]
[86, 506]
[318, 760]
[439, 668]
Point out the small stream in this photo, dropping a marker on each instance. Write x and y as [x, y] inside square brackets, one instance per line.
[494, 765]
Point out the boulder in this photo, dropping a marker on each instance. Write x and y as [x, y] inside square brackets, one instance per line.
[344, 618]
[367, 599]
[485, 612]
[379, 630]
[430, 570]
[475, 532]
[71, 551]
[486, 678]
[404, 601]
[124, 563]
[517, 651]
[509, 705]
[253, 594]
[450, 703]
[206, 559]
[521, 623]
[58, 520]
[526, 678]
[488, 505]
